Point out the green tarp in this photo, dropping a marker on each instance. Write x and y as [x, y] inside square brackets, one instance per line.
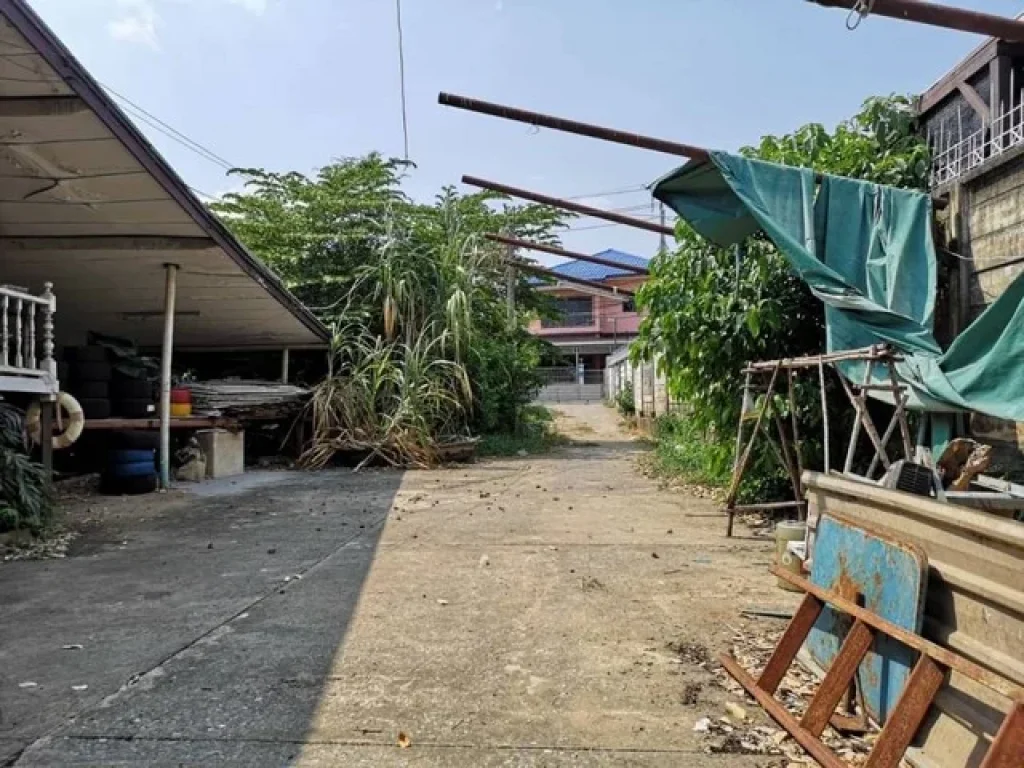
[866, 251]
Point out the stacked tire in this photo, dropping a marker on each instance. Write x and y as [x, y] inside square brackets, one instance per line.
[131, 463]
[90, 373]
[132, 398]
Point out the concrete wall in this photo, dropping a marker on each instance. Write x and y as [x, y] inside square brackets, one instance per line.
[650, 390]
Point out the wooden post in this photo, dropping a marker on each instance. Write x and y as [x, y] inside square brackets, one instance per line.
[49, 310]
[824, 416]
[46, 408]
[166, 354]
[284, 365]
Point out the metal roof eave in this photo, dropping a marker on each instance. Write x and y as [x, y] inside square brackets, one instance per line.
[57, 55]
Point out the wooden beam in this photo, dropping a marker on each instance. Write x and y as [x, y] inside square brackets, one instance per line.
[963, 71]
[106, 243]
[779, 714]
[1007, 750]
[974, 99]
[999, 84]
[913, 705]
[943, 656]
[41, 106]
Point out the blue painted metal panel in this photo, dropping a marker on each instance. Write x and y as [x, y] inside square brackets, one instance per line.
[887, 577]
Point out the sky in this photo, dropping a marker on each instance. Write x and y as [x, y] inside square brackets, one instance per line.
[293, 84]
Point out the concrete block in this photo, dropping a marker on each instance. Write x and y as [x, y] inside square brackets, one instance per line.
[224, 451]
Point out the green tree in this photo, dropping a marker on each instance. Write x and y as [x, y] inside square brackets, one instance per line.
[420, 277]
[711, 310]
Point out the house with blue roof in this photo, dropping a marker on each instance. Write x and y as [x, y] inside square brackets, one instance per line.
[593, 320]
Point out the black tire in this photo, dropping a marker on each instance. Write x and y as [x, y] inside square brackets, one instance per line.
[90, 354]
[132, 389]
[133, 408]
[135, 440]
[131, 486]
[91, 390]
[63, 373]
[91, 371]
[119, 456]
[95, 408]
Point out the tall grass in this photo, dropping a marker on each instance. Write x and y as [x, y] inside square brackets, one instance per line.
[399, 382]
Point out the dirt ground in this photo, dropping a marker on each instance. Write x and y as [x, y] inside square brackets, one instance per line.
[548, 610]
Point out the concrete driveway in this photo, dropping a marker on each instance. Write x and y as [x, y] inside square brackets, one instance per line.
[512, 612]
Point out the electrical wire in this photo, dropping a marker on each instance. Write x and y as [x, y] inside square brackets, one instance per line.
[401, 75]
[169, 130]
[623, 191]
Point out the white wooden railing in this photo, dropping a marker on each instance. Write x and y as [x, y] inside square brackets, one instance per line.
[22, 367]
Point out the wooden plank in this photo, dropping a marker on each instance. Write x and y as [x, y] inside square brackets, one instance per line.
[974, 99]
[838, 678]
[918, 643]
[790, 642]
[193, 422]
[1007, 750]
[966, 69]
[906, 719]
[778, 713]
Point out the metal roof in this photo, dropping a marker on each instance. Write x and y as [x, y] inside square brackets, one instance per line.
[588, 271]
[86, 202]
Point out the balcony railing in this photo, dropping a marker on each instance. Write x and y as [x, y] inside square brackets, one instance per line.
[26, 330]
[956, 156]
[569, 320]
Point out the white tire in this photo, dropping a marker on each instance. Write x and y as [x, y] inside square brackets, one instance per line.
[74, 422]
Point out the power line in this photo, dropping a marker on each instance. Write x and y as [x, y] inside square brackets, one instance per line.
[169, 130]
[401, 74]
[612, 193]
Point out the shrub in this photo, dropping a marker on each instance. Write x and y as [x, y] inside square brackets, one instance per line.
[25, 496]
[625, 401]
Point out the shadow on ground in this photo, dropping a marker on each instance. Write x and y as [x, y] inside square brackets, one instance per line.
[207, 628]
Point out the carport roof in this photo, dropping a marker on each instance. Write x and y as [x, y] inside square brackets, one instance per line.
[87, 203]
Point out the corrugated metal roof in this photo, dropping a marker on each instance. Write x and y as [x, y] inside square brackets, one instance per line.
[587, 271]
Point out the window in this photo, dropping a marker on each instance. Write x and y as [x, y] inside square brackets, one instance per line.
[573, 312]
[629, 305]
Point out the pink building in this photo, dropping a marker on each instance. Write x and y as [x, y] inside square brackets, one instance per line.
[592, 323]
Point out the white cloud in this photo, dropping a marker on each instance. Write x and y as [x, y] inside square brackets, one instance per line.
[137, 21]
[253, 6]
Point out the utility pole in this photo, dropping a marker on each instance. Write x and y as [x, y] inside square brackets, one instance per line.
[664, 245]
[510, 287]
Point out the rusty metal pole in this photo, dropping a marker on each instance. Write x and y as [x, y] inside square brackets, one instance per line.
[531, 246]
[556, 202]
[572, 126]
[933, 14]
[596, 131]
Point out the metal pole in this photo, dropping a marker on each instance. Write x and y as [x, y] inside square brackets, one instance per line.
[663, 244]
[170, 298]
[572, 126]
[531, 246]
[284, 365]
[568, 205]
[937, 15]
[510, 288]
[593, 131]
